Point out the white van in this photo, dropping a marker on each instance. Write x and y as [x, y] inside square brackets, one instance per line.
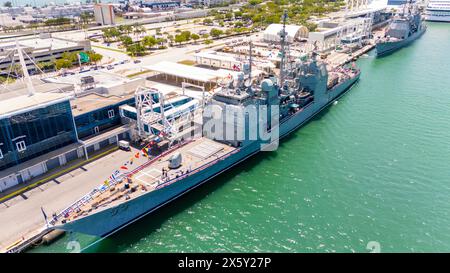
[124, 145]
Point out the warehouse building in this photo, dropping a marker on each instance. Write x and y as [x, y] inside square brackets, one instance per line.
[294, 33]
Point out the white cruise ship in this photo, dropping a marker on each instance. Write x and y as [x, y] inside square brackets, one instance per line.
[438, 10]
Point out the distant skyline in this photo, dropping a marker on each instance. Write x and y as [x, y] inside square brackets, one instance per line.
[40, 3]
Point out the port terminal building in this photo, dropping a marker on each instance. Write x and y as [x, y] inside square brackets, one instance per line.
[63, 121]
[70, 118]
[333, 30]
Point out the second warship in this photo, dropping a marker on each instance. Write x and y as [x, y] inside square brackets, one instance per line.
[405, 28]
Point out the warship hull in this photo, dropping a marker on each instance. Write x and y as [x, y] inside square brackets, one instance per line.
[387, 48]
[111, 220]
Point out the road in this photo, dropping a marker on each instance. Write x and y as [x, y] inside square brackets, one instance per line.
[172, 54]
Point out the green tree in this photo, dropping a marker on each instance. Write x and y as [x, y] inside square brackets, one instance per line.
[85, 17]
[94, 57]
[195, 37]
[179, 38]
[71, 57]
[229, 15]
[137, 29]
[215, 32]
[45, 65]
[126, 40]
[149, 41]
[160, 41]
[136, 49]
[207, 21]
[63, 63]
[186, 34]
[219, 17]
[7, 4]
[255, 2]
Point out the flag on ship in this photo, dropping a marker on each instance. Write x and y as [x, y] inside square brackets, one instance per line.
[45, 215]
[113, 176]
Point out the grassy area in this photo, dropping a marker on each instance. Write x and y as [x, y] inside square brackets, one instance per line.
[186, 62]
[108, 48]
[138, 73]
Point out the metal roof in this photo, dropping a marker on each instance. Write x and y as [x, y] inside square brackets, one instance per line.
[272, 32]
[187, 71]
[25, 103]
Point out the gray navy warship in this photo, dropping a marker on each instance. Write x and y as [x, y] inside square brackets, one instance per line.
[404, 28]
[303, 88]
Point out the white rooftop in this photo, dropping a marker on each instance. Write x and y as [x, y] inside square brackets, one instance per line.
[188, 72]
[215, 56]
[272, 32]
[24, 103]
[38, 43]
[102, 78]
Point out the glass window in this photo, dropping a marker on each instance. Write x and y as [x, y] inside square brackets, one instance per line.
[45, 129]
[21, 146]
[111, 113]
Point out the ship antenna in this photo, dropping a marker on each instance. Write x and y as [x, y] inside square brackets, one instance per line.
[250, 60]
[283, 40]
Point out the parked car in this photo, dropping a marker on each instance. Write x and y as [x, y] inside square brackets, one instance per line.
[109, 67]
[136, 61]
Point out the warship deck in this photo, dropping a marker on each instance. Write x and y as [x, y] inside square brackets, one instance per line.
[196, 155]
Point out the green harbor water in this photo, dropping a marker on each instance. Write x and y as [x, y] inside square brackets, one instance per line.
[375, 167]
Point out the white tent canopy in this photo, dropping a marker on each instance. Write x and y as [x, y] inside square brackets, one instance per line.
[272, 32]
[187, 71]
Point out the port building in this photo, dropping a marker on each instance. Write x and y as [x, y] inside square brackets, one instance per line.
[31, 126]
[42, 48]
[63, 121]
[104, 14]
[294, 32]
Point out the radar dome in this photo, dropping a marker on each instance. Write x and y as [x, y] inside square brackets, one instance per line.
[266, 85]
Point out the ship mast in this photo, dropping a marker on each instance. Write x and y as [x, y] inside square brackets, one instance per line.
[250, 60]
[26, 76]
[283, 41]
